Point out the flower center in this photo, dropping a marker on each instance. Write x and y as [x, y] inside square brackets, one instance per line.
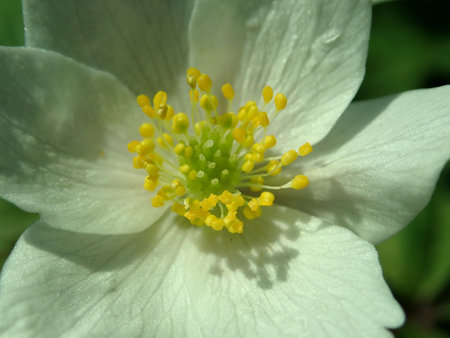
[212, 168]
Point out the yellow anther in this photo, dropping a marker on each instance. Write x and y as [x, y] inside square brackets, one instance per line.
[138, 162]
[191, 81]
[185, 168]
[272, 165]
[152, 169]
[161, 143]
[180, 190]
[206, 102]
[267, 94]
[305, 149]
[194, 95]
[176, 183]
[150, 184]
[149, 111]
[258, 147]
[251, 113]
[239, 135]
[198, 128]
[188, 152]
[256, 181]
[162, 111]
[170, 113]
[269, 141]
[248, 166]
[204, 82]
[266, 199]
[214, 101]
[299, 182]
[156, 158]
[168, 138]
[214, 222]
[289, 157]
[226, 197]
[143, 100]
[250, 104]
[227, 91]
[241, 114]
[165, 191]
[193, 72]
[263, 119]
[146, 146]
[257, 157]
[192, 175]
[179, 148]
[280, 101]
[209, 202]
[253, 204]
[238, 201]
[228, 120]
[132, 146]
[159, 99]
[146, 130]
[250, 214]
[178, 208]
[276, 171]
[235, 226]
[255, 122]
[180, 123]
[248, 141]
[157, 201]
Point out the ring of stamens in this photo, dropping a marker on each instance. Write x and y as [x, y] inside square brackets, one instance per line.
[200, 164]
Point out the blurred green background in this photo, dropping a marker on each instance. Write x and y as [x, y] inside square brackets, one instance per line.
[409, 48]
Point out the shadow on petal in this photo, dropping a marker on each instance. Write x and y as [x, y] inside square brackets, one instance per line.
[333, 207]
[96, 252]
[263, 252]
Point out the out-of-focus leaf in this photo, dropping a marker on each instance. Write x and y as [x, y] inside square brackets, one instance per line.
[407, 49]
[403, 259]
[13, 222]
[416, 261]
[11, 23]
[438, 271]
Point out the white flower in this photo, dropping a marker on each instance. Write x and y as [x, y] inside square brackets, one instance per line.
[102, 262]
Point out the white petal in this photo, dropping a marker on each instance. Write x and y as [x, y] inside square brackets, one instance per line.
[63, 145]
[378, 167]
[313, 51]
[143, 43]
[289, 274]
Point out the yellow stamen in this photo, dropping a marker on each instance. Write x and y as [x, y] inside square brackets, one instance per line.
[305, 149]
[204, 82]
[143, 100]
[280, 101]
[267, 94]
[146, 130]
[299, 182]
[289, 157]
[227, 91]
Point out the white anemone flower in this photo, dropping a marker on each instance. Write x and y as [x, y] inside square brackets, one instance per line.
[101, 261]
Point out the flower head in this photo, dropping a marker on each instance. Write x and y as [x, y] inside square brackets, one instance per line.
[202, 166]
[103, 261]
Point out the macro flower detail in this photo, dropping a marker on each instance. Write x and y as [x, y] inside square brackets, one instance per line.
[202, 173]
[102, 261]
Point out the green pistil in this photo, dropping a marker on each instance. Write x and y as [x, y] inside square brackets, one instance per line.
[217, 167]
